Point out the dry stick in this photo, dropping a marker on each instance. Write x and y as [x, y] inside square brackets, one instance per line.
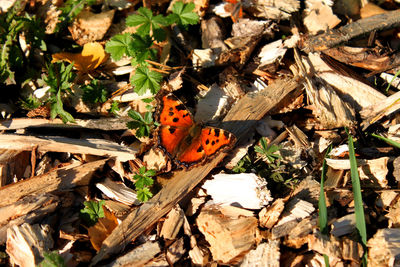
[241, 119]
[362, 27]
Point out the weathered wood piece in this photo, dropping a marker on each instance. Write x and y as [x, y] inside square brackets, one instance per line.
[359, 28]
[59, 179]
[27, 210]
[12, 163]
[265, 255]
[242, 118]
[105, 124]
[26, 244]
[138, 256]
[384, 248]
[172, 223]
[98, 147]
[230, 237]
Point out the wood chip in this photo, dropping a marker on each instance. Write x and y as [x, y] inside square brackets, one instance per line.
[138, 256]
[265, 255]
[269, 216]
[229, 237]
[384, 248]
[172, 223]
[27, 243]
[246, 190]
[29, 209]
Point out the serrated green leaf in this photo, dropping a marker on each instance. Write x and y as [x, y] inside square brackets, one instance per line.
[52, 259]
[148, 117]
[184, 14]
[144, 80]
[119, 45]
[93, 211]
[150, 173]
[135, 115]
[144, 194]
[114, 108]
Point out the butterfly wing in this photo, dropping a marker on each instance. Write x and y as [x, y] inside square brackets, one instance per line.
[174, 113]
[175, 120]
[205, 146]
[214, 140]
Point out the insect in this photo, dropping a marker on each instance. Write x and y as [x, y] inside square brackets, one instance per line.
[187, 143]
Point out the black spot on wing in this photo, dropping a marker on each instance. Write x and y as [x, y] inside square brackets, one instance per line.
[171, 108]
[171, 130]
[207, 142]
[213, 143]
[226, 134]
[200, 149]
[175, 119]
[171, 113]
[216, 132]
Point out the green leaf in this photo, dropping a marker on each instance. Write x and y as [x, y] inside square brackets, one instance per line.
[144, 194]
[358, 202]
[135, 115]
[148, 23]
[145, 79]
[119, 45]
[323, 212]
[56, 108]
[52, 259]
[140, 48]
[114, 108]
[93, 211]
[183, 14]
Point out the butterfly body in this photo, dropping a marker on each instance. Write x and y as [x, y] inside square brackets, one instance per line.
[184, 141]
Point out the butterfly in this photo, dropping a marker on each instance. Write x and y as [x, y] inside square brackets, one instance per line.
[187, 143]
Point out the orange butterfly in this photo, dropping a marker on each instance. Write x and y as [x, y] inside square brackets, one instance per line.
[184, 141]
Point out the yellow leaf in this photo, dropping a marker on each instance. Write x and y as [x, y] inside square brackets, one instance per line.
[102, 229]
[90, 58]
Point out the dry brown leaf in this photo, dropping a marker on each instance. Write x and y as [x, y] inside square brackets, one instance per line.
[92, 56]
[102, 229]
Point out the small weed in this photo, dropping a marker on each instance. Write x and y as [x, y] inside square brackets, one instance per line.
[143, 125]
[52, 259]
[94, 93]
[143, 182]
[92, 212]
[59, 78]
[139, 45]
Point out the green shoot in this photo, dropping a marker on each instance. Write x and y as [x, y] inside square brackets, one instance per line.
[52, 259]
[244, 165]
[29, 103]
[59, 79]
[387, 140]
[143, 183]
[114, 108]
[323, 211]
[92, 212]
[358, 203]
[394, 77]
[143, 125]
[94, 93]
[267, 152]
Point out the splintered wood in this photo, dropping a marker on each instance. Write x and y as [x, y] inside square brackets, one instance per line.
[230, 237]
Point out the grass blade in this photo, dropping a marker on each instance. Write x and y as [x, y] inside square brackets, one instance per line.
[358, 203]
[387, 140]
[323, 211]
